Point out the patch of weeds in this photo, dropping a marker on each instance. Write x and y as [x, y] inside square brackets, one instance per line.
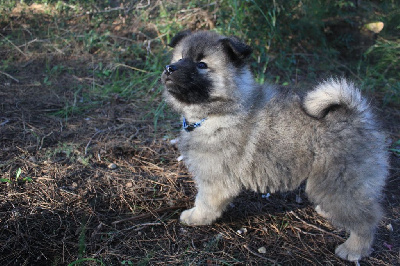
[382, 67]
[82, 249]
[212, 245]
[145, 261]
[67, 151]
[19, 178]
[126, 262]
[82, 102]
[52, 72]
[5, 180]
[80, 261]
[75, 108]
[93, 42]
[64, 148]
[82, 241]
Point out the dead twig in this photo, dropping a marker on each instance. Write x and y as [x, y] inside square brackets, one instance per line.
[148, 215]
[8, 75]
[5, 122]
[316, 227]
[138, 227]
[42, 140]
[94, 135]
[16, 47]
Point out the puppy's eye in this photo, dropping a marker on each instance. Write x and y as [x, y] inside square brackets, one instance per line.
[202, 65]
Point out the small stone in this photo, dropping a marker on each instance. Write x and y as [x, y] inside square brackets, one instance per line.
[262, 250]
[129, 184]
[112, 166]
[389, 227]
[73, 186]
[242, 231]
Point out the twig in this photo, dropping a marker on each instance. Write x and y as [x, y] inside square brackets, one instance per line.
[258, 255]
[131, 67]
[316, 227]
[5, 122]
[16, 47]
[94, 135]
[8, 75]
[42, 140]
[147, 215]
[138, 227]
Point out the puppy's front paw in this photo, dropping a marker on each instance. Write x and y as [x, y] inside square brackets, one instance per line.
[194, 216]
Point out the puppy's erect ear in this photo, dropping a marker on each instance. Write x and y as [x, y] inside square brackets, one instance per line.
[178, 37]
[236, 48]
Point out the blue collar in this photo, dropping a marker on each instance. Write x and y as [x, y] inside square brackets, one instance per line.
[190, 127]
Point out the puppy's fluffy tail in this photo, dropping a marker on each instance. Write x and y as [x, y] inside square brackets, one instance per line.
[334, 93]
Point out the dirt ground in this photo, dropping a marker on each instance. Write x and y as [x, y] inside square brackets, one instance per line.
[104, 186]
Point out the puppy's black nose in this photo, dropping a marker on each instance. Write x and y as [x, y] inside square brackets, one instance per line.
[170, 68]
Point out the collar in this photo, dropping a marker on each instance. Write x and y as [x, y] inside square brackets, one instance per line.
[190, 127]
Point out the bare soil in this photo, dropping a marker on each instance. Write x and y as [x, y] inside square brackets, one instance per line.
[103, 184]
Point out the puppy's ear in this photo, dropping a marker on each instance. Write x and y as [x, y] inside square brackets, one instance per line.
[178, 37]
[236, 48]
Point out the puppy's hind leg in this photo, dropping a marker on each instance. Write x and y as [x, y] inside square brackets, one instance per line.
[354, 210]
[211, 201]
[357, 246]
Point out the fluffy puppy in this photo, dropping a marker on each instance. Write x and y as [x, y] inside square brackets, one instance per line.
[241, 135]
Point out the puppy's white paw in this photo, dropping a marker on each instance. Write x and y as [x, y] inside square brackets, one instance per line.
[346, 253]
[355, 248]
[319, 210]
[194, 216]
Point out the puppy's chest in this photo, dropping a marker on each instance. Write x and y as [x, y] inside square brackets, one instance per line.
[220, 148]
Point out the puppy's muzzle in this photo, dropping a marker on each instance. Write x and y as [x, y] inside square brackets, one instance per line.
[170, 68]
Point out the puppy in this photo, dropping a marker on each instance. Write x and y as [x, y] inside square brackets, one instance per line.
[238, 135]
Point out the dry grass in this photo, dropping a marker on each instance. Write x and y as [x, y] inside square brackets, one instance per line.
[104, 184]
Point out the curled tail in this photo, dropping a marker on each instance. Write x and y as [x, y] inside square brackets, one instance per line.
[334, 93]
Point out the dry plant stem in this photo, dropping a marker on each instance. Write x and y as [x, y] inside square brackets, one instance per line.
[16, 47]
[316, 227]
[8, 75]
[94, 135]
[147, 215]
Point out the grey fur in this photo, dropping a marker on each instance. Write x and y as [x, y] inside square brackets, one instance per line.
[266, 138]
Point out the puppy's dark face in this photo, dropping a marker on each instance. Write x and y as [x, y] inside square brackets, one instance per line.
[188, 81]
[200, 64]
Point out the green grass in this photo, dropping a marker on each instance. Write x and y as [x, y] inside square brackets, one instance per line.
[18, 179]
[290, 44]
